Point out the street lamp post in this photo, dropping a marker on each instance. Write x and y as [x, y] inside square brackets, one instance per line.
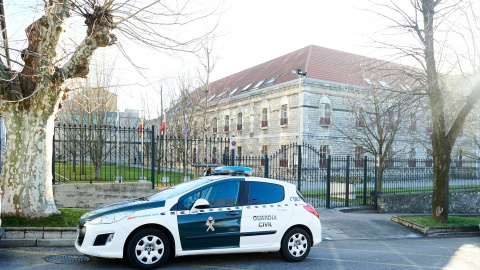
[300, 75]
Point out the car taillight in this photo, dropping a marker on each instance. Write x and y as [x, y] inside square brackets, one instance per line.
[311, 210]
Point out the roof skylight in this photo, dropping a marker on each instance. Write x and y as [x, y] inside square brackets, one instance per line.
[212, 97]
[259, 83]
[384, 84]
[246, 87]
[367, 80]
[272, 80]
[233, 91]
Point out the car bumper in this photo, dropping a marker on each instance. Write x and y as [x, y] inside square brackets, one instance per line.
[315, 227]
[90, 244]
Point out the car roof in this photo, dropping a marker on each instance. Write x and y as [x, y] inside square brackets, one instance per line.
[250, 178]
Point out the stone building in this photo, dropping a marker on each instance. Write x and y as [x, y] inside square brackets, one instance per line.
[273, 105]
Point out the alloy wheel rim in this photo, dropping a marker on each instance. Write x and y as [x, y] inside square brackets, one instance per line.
[149, 249]
[297, 245]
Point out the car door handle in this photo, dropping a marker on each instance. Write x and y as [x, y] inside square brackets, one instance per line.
[282, 209]
[233, 213]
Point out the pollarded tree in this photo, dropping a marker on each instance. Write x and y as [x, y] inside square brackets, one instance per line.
[442, 37]
[33, 95]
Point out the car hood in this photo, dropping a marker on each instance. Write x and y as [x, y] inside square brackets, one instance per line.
[123, 206]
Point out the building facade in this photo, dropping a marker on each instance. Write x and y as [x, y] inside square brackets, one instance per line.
[273, 105]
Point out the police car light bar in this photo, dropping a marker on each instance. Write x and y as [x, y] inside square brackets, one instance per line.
[234, 170]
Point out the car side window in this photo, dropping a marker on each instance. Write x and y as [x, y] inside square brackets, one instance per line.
[264, 193]
[220, 195]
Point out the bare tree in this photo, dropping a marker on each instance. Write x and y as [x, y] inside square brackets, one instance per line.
[33, 94]
[442, 37]
[380, 113]
[203, 97]
[90, 106]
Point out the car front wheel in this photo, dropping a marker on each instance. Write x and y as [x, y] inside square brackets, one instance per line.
[295, 245]
[148, 248]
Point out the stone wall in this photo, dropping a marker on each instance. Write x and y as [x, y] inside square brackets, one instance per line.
[461, 202]
[90, 196]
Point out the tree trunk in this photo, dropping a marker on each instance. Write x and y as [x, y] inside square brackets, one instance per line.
[440, 199]
[380, 178]
[27, 177]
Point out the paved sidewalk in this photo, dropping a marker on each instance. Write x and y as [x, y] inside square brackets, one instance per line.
[362, 223]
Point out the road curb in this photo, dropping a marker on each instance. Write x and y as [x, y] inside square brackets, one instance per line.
[440, 231]
[38, 237]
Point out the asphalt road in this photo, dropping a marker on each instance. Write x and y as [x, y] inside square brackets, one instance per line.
[408, 253]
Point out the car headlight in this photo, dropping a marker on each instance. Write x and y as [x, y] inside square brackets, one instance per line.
[107, 219]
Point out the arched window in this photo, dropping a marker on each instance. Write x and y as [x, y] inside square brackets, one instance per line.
[359, 152]
[360, 122]
[325, 111]
[239, 121]
[284, 115]
[324, 152]
[226, 128]
[215, 125]
[264, 117]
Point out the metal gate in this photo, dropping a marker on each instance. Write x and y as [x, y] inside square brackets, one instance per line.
[324, 181]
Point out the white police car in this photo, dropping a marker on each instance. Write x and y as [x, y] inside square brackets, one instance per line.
[227, 213]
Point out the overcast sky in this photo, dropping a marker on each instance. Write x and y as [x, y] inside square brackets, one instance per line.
[252, 32]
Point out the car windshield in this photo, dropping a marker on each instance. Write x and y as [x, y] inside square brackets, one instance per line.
[177, 190]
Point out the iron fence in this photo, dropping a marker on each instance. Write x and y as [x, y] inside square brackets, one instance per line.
[106, 153]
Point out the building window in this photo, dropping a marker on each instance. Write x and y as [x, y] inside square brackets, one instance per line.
[226, 128]
[215, 125]
[325, 114]
[413, 122]
[384, 84]
[246, 87]
[283, 156]
[259, 84]
[239, 121]
[429, 127]
[359, 153]
[272, 80]
[391, 119]
[429, 158]
[412, 158]
[264, 152]
[459, 158]
[324, 152]
[284, 115]
[264, 118]
[234, 91]
[390, 162]
[360, 122]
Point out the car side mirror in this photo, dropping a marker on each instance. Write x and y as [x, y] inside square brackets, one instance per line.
[199, 204]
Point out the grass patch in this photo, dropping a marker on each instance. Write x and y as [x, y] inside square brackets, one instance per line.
[67, 218]
[453, 221]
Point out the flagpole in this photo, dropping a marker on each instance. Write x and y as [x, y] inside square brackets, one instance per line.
[185, 161]
[117, 135]
[165, 145]
[141, 132]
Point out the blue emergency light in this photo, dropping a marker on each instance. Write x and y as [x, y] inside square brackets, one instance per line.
[234, 170]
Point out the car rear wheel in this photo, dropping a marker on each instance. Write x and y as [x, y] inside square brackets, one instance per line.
[296, 245]
[148, 248]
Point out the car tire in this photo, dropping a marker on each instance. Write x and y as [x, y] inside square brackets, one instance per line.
[296, 245]
[148, 248]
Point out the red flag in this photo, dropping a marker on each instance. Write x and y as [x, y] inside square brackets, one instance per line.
[140, 127]
[163, 129]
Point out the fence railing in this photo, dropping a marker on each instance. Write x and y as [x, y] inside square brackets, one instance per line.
[99, 154]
